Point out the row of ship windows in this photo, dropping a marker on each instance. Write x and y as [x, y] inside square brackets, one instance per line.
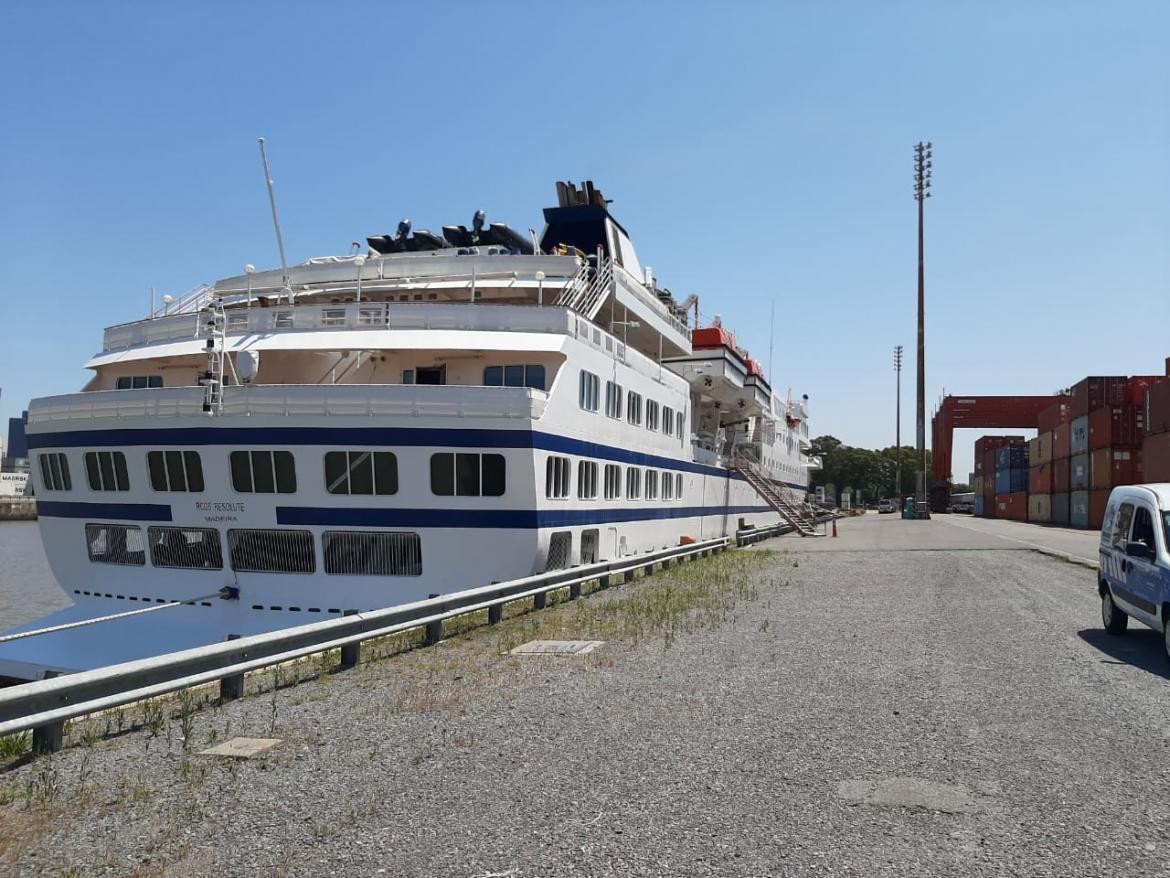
[589, 398]
[345, 553]
[274, 472]
[558, 475]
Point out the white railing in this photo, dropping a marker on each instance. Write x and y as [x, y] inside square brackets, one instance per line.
[301, 400]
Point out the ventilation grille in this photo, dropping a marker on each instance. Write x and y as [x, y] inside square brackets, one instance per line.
[367, 553]
[194, 547]
[560, 549]
[271, 551]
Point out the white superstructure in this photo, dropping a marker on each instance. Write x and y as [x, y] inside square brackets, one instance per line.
[440, 413]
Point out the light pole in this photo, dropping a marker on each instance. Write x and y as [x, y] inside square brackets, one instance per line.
[898, 426]
[922, 165]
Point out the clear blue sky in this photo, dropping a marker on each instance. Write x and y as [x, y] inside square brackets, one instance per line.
[756, 152]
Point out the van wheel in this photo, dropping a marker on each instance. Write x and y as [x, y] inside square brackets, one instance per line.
[1115, 621]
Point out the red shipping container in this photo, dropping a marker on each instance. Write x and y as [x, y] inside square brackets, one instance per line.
[1110, 467]
[1098, 500]
[1060, 476]
[1061, 441]
[1156, 458]
[1119, 426]
[1053, 416]
[1094, 392]
[1040, 479]
[1139, 385]
[1012, 506]
[1158, 408]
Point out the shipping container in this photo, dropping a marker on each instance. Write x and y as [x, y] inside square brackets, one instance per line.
[1110, 467]
[1040, 479]
[979, 505]
[1079, 476]
[1040, 508]
[1012, 506]
[1040, 449]
[1098, 500]
[1078, 435]
[1158, 408]
[977, 486]
[1139, 386]
[1060, 508]
[1078, 508]
[1053, 416]
[1060, 480]
[1118, 426]
[1011, 481]
[1014, 456]
[1095, 392]
[1061, 441]
[1156, 458]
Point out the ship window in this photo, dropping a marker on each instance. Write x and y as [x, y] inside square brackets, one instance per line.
[467, 475]
[107, 471]
[529, 375]
[667, 420]
[590, 390]
[587, 480]
[557, 475]
[651, 415]
[613, 481]
[633, 483]
[55, 471]
[190, 547]
[651, 484]
[361, 472]
[271, 551]
[115, 544]
[175, 470]
[678, 485]
[408, 376]
[263, 472]
[679, 418]
[634, 408]
[371, 553]
[613, 399]
[137, 382]
[667, 486]
[560, 550]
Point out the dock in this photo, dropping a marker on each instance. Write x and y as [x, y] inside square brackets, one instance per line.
[19, 509]
[928, 698]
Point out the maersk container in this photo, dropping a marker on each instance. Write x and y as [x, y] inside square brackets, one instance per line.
[1040, 508]
[1080, 474]
[1079, 435]
[1060, 508]
[1078, 508]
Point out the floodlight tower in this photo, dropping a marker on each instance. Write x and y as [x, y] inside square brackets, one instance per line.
[898, 425]
[922, 166]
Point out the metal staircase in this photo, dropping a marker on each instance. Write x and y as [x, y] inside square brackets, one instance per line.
[588, 289]
[800, 515]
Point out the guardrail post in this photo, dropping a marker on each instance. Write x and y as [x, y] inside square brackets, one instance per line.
[48, 738]
[495, 614]
[351, 653]
[648, 570]
[540, 600]
[574, 590]
[434, 630]
[231, 688]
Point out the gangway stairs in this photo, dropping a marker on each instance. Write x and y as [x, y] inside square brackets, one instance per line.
[588, 290]
[800, 515]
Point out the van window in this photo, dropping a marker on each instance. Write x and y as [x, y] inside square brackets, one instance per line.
[1143, 527]
[1121, 530]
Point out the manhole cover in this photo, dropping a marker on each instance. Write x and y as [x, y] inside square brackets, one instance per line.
[241, 748]
[556, 647]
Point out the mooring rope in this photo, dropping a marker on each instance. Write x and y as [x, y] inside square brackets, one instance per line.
[80, 624]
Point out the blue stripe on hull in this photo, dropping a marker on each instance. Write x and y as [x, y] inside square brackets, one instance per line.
[369, 437]
[527, 519]
[120, 511]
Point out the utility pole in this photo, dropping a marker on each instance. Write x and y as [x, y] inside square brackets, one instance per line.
[922, 165]
[898, 427]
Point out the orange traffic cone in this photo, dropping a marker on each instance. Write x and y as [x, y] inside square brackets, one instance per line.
[834, 527]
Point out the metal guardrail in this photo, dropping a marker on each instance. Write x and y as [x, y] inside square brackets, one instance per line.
[45, 705]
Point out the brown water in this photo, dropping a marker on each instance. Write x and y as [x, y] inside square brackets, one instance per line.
[27, 588]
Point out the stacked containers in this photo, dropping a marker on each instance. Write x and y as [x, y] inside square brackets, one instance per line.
[1040, 478]
[1155, 462]
[1011, 481]
[985, 448]
[1103, 419]
[1054, 420]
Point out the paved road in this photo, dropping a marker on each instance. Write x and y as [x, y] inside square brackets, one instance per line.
[945, 708]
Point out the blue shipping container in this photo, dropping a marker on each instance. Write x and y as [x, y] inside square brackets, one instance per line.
[1011, 481]
[979, 505]
[1011, 457]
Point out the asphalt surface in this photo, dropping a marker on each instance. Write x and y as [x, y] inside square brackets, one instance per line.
[944, 705]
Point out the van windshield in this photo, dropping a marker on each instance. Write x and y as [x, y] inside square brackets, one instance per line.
[1166, 528]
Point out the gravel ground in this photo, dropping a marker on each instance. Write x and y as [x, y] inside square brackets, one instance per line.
[856, 713]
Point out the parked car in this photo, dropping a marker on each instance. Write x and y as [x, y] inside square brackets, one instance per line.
[1134, 578]
[886, 506]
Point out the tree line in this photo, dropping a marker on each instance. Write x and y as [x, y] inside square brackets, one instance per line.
[873, 473]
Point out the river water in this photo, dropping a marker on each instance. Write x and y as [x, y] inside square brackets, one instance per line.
[27, 588]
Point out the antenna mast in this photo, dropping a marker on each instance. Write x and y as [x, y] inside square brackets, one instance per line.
[275, 220]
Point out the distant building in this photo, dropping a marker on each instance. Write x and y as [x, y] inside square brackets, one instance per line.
[17, 443]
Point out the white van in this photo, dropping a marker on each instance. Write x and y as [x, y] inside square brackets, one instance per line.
[1134, 579]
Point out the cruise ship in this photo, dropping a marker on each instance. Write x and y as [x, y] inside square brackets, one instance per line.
[442, 411]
